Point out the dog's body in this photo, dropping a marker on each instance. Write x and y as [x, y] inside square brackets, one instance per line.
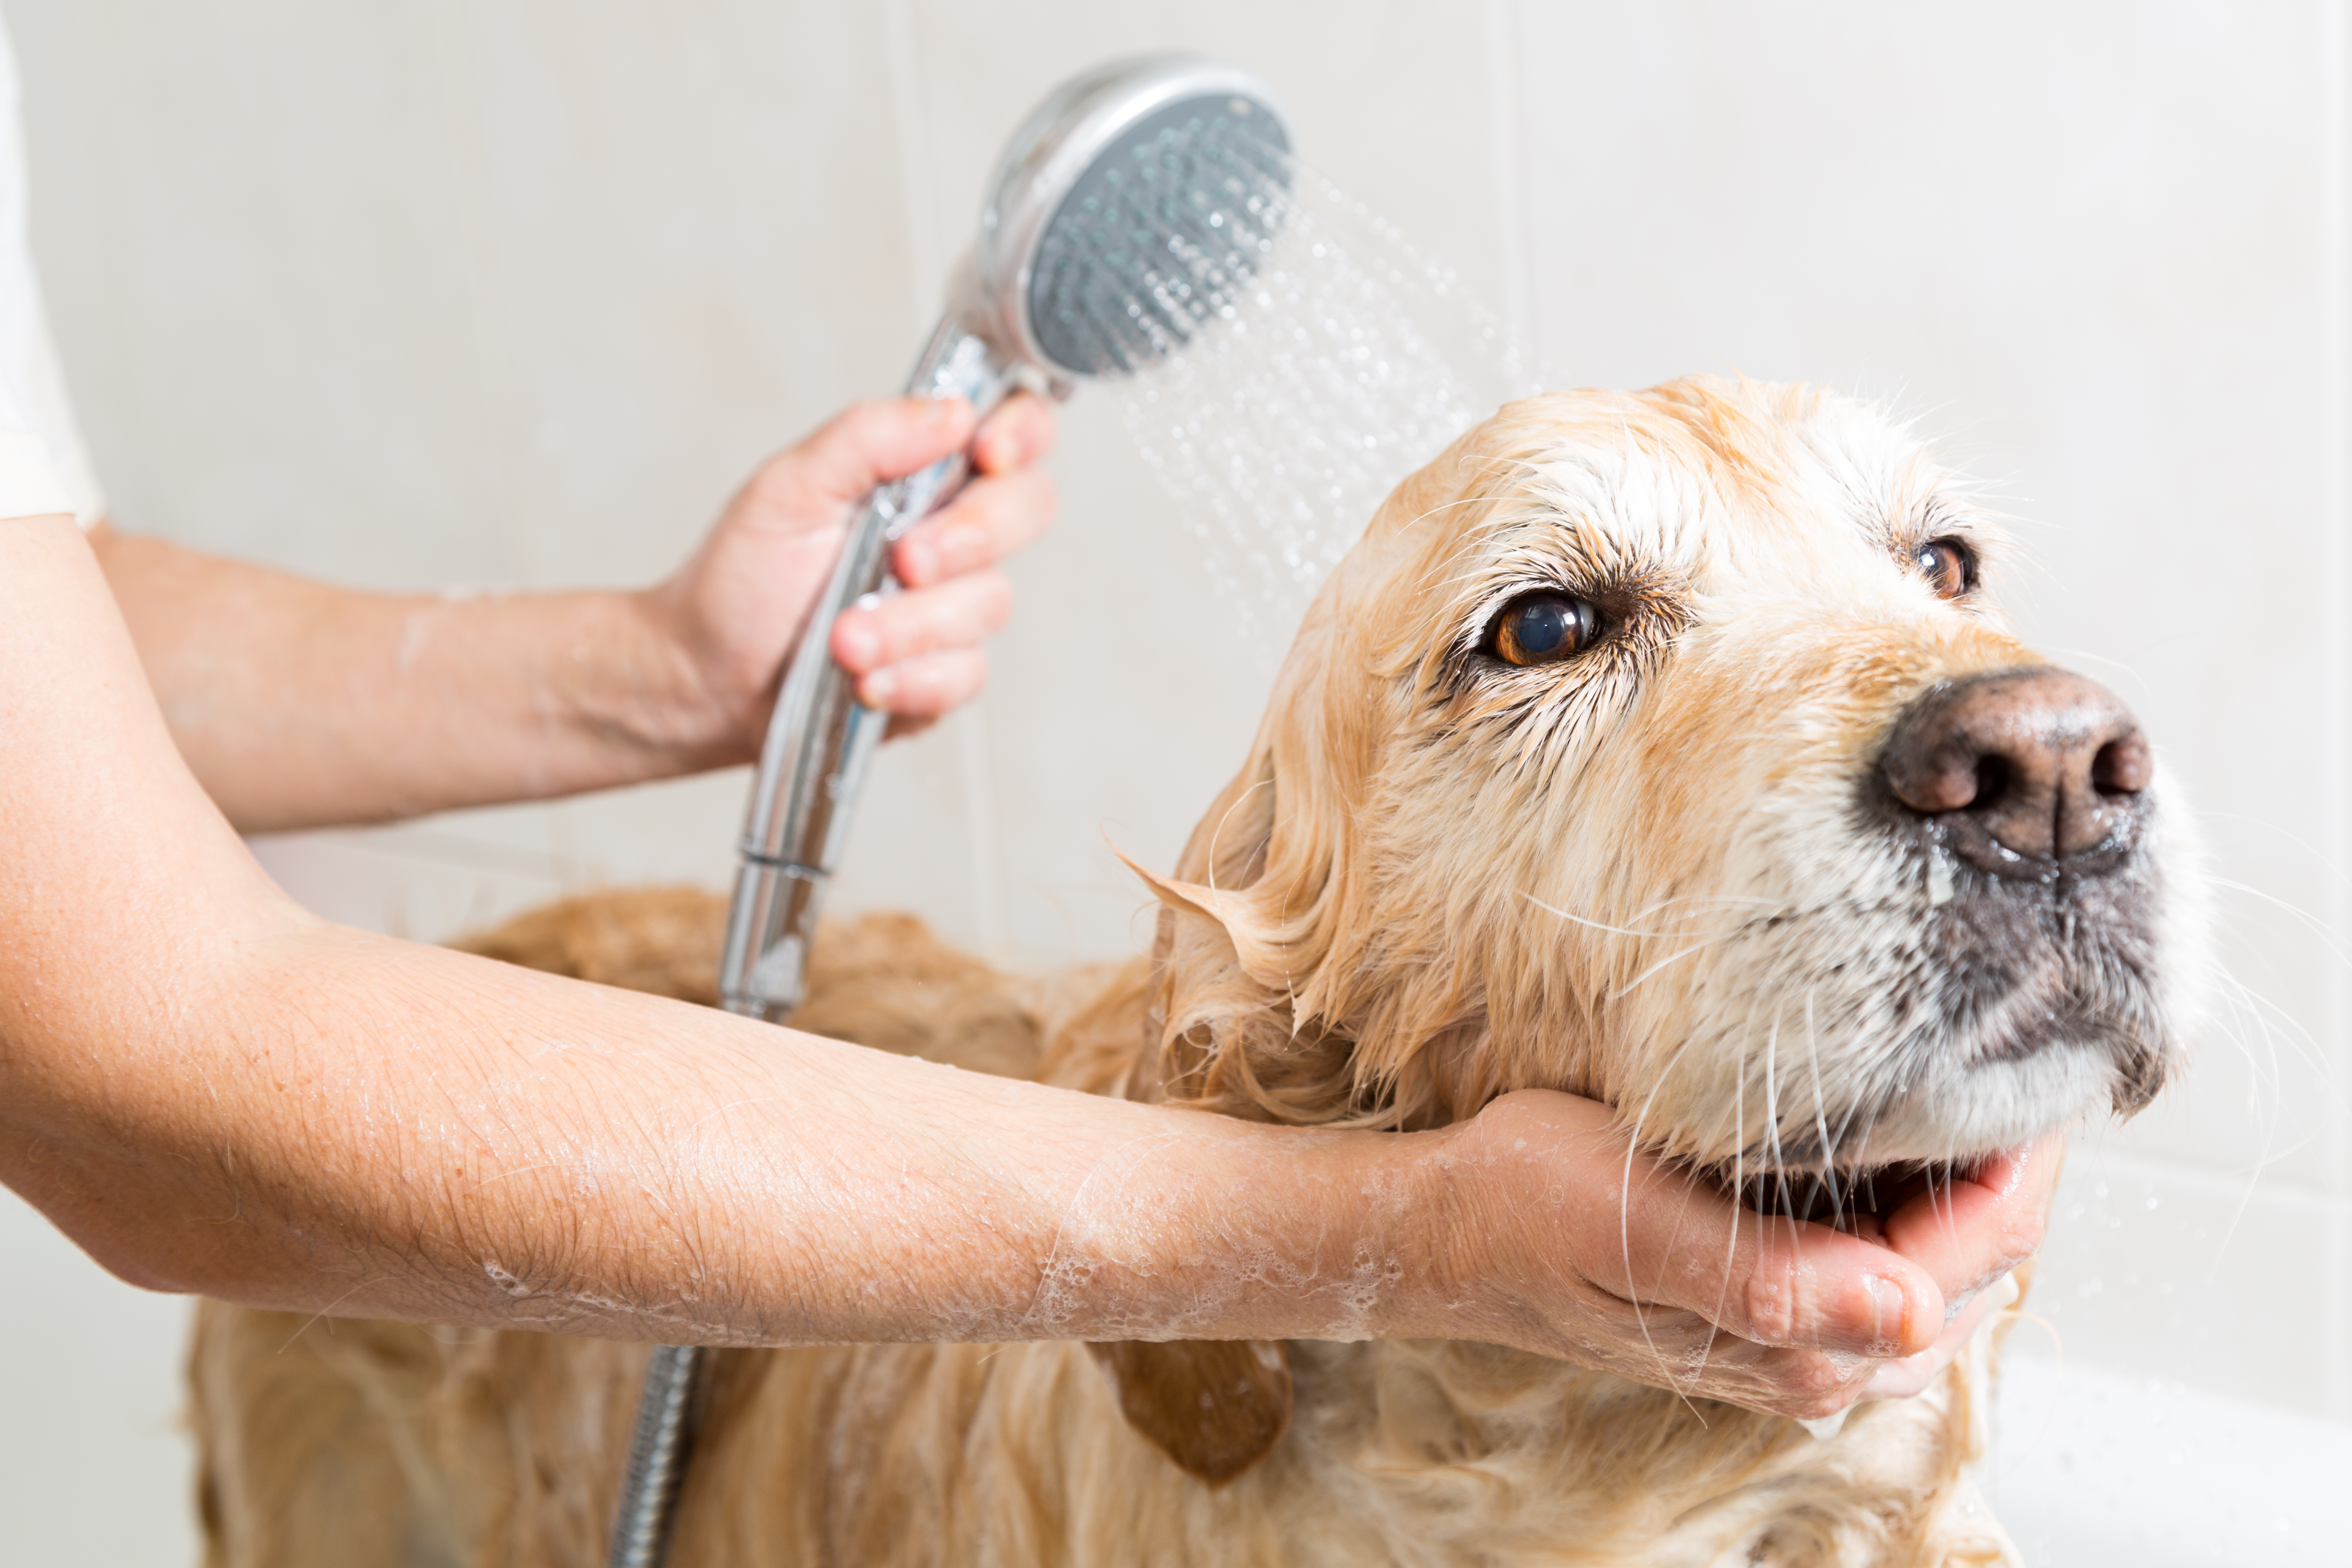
[465, 1447]
[1638, 752]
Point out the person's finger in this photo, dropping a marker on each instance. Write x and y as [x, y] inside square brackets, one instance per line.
[926, 687]
[1776, 1281]
[1970, 1230]
[1681, 1350]
[1020, 432]
[866, 444]
[960, 613]
[991, 520]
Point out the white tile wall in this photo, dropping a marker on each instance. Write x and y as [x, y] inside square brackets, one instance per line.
[412, 291]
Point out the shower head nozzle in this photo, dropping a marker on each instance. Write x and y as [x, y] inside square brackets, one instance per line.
[1126, 213]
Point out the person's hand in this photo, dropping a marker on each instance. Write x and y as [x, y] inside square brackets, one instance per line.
[1563, 1241]
[735, 610]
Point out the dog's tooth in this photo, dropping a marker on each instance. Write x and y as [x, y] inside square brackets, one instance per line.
[1828, 1426]
[1939, 880]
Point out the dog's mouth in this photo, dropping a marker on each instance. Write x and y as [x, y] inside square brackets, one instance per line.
[1857, 1199]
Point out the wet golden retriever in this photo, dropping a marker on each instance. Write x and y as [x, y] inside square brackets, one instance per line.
[1663, 747]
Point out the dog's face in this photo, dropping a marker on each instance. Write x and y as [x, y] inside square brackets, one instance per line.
[1667, 748]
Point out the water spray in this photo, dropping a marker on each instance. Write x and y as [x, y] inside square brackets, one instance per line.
[1126, 214]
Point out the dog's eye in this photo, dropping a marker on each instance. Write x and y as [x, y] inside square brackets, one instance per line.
[1948, 565]
[1543, 628]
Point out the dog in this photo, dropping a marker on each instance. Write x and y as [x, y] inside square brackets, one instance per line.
[1665, 748]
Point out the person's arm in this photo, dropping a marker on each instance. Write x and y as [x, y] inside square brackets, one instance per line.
[212, 1090]
[298, 704]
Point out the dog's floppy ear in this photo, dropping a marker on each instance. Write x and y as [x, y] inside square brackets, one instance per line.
[1230, 1026]
[1267, 964]
[1216, 1407]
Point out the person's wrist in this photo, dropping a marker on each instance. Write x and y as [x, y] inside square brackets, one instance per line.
[1498, 1260]
[1418, 1215]
[679, 699]
[1346, 1214]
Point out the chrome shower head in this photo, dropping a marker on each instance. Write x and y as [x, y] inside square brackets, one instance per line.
[1124, 216]
[1124, 213]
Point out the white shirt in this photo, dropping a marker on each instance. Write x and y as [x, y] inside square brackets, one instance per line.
[44, 466]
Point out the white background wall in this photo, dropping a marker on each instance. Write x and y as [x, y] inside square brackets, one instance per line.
[406, 292]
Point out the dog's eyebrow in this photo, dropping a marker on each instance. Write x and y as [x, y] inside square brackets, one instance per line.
[1547, 537]
[1917, 500]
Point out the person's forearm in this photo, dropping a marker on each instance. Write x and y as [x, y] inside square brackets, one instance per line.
[301, 705]
[213, 1091]
[298, 704]
[320, 1120]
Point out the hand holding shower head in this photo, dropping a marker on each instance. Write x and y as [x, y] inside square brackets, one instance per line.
[1120, 218]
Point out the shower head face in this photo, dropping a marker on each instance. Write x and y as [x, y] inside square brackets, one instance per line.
[1128, 210]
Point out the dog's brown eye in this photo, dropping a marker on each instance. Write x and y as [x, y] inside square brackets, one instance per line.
[1543, 628]
[1948, 567]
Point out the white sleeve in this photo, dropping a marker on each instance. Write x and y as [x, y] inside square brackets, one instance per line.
[44, 466]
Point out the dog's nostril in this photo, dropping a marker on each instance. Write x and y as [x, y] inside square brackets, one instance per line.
[1992, 781]
[2122, 766]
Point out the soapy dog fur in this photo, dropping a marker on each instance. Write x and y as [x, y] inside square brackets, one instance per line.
[1662, 872]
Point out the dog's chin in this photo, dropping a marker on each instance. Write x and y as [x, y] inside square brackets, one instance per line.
[1943, 1129]
[1997, 1101]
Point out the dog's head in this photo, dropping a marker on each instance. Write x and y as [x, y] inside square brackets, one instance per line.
[1668, 748]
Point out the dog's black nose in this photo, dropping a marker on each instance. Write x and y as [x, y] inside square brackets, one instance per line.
[2043, 763]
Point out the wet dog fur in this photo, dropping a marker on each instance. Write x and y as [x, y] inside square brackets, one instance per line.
[1661, 873]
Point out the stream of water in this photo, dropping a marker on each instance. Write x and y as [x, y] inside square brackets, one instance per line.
[1325, 368]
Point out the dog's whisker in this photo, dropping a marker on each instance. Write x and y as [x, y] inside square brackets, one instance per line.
[2327, 936]
[1738, 1187]
[1861, 1166]
[1625, 1245]
[1593, 924]
[1827, 1176]
[2268, 1020]
[1779, 1166]
[1636, 983]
